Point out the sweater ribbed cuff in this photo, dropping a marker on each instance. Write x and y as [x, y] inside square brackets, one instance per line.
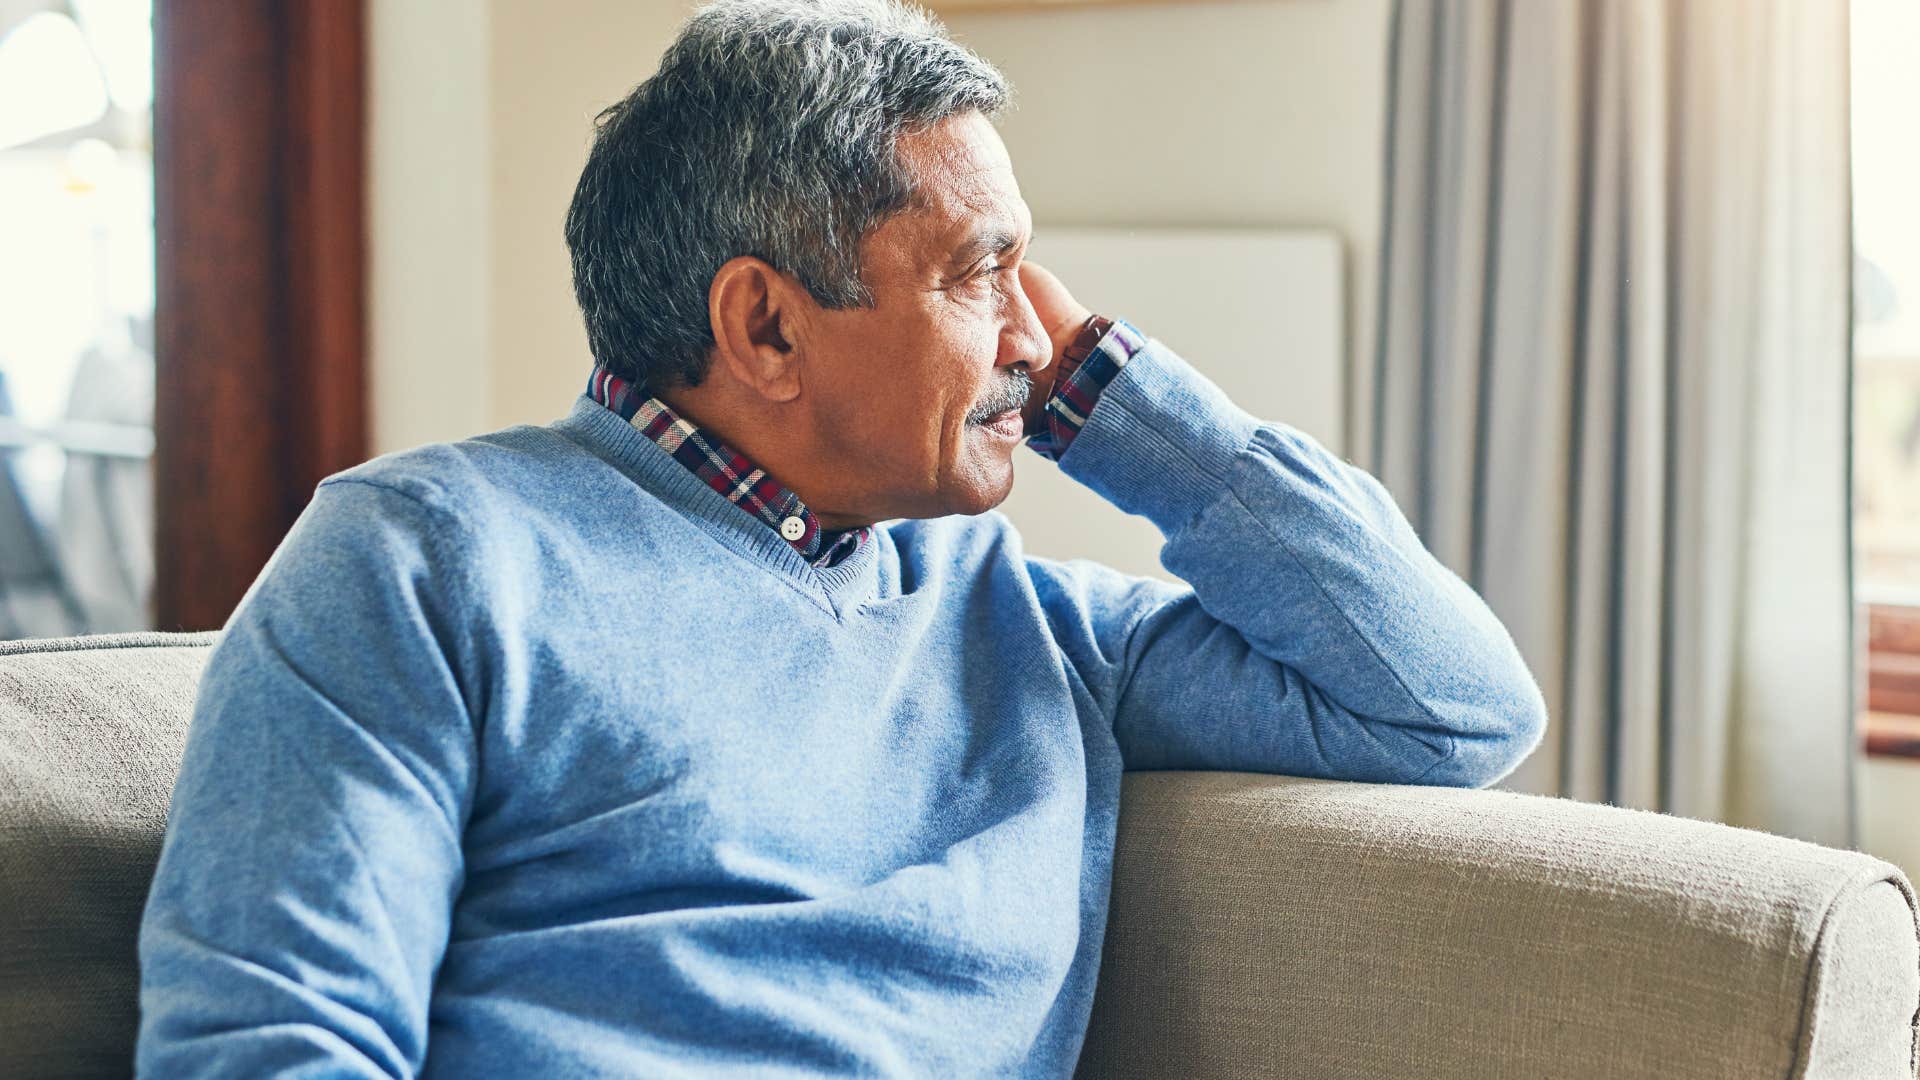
[1163, 440]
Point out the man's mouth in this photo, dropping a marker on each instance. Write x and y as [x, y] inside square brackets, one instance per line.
[1014, 401]
[1009, 424]
[988, 418]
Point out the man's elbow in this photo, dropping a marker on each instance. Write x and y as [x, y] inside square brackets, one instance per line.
[1490, 752]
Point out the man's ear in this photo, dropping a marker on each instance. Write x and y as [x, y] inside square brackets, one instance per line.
[755, 311]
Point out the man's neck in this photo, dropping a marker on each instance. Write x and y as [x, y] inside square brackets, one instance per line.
[755, 434]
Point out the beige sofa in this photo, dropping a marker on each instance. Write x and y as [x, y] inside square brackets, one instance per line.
[1262, 926]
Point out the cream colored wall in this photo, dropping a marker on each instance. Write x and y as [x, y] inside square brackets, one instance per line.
[554, 64]
[430, 223]
[480, 117]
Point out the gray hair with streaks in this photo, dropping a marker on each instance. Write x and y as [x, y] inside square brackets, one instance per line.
[769, 130]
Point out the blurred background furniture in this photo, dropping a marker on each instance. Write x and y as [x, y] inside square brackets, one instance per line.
[106, 493]
[79, 557]
[35, 600]
[1261, 925]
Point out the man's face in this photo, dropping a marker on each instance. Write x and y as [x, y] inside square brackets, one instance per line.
[900, 388]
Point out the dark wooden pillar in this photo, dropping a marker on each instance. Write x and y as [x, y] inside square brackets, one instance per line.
[260, 313]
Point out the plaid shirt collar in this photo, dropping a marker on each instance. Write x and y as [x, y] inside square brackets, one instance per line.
[727, 471]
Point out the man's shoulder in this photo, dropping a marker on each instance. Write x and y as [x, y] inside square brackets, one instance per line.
[455, 519]
[961, 543]
[472, 508]
[485, 476]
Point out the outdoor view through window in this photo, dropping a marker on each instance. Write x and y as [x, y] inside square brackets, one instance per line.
[1886, 400]
[76, 317]
[1886, 207]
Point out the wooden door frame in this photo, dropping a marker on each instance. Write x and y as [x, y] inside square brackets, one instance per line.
[260, 327]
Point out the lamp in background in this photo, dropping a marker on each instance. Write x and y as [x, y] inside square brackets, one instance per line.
[49, 80]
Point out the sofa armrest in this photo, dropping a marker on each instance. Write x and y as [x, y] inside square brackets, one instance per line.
[91, 732]
[1276, 926]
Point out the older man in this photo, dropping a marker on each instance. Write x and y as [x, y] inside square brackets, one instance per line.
[719, 726]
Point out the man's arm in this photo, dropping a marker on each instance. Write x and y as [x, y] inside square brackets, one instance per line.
[1316, 636]
[301, 905]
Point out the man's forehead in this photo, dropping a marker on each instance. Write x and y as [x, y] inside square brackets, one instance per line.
[975, 235]
[966, 203]
[963, 146]
[972, 221]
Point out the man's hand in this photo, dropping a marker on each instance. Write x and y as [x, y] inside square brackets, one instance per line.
[1062, 316]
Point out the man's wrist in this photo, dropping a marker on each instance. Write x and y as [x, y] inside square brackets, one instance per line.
[1085, 340]
[1088, 363]
[1163, 441]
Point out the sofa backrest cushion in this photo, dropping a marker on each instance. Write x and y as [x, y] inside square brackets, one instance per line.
[91, 734]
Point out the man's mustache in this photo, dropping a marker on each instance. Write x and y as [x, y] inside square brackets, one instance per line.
[1010, 393]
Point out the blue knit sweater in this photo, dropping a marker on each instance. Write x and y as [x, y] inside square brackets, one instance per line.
[531, 755]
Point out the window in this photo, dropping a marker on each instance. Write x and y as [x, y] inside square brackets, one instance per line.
[1886, 194]
[76, 317]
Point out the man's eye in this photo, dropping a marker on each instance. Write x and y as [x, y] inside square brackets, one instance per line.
[983, 276]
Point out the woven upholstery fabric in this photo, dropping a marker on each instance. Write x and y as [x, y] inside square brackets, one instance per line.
[1860, 1015]
[1268, 926]
[91, 733]
[1261, 926]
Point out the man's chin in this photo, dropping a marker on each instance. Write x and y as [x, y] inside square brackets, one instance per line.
[989, 479]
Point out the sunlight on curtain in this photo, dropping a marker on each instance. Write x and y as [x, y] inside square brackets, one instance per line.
[1612, 383]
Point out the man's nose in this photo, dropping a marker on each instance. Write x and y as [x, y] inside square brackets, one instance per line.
[1031, 342]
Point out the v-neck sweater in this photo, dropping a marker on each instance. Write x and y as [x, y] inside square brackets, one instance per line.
[531, 755]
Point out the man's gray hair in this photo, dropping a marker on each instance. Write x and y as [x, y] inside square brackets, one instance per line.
[770, 131]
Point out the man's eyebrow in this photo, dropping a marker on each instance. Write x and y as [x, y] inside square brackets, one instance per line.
[997, 238]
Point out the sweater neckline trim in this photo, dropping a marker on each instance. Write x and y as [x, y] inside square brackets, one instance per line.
[650, 466]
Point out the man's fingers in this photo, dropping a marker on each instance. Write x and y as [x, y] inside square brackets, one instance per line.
[1059, 312]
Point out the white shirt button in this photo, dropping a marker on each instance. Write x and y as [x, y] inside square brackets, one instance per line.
[793, 528]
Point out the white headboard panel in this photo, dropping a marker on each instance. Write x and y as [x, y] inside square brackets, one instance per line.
[1259, 311]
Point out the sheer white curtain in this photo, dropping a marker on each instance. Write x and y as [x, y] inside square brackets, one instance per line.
[1612, 378]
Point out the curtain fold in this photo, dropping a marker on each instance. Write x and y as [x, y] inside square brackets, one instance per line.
[1612, 382]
